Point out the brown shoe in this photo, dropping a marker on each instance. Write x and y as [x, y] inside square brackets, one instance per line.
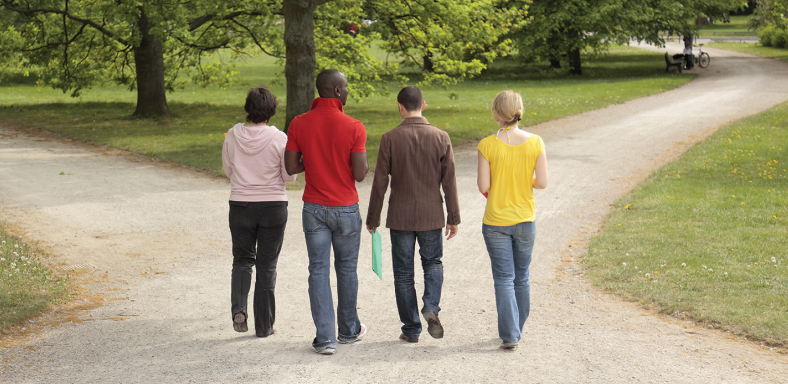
[434, 326]
[239, 322]
[408, 339]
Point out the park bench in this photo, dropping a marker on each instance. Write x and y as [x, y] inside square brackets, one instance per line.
[670, 62]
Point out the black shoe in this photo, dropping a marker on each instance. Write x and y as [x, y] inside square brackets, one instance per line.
[408, 339]
[239, 322]
[434, 326]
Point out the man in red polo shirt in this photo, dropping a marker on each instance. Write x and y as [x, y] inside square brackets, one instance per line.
[329, 145]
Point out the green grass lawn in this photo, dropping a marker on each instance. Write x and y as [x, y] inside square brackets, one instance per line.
[737, 27]
[201, 115]
[27, 286]
[706, 236]
[754, 49]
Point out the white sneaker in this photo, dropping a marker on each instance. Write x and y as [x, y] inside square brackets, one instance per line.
[358, 338]
[324, 350]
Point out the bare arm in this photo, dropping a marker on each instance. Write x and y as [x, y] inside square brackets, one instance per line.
[293, 164]
[360, 165]
[540, 170]
[483, 174]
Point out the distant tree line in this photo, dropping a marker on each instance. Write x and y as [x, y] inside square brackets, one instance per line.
[154, 46]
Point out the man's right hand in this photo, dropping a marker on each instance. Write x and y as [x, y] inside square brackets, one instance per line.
[371, 229]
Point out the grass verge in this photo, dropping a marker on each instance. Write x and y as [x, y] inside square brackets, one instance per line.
[753, 49]
[201, 115]
[706, 235]
[27, 286]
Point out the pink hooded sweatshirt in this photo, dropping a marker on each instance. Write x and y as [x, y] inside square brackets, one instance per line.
[254, 160]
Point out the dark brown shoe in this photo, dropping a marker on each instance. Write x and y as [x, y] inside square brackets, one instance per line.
[239, 322]
[408, 339]
[434, 327]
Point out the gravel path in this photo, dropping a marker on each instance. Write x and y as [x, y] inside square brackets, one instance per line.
[158, 238]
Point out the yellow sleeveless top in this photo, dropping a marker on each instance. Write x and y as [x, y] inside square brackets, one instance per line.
[511, 197]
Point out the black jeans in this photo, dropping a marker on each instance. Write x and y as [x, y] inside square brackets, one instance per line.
[258, 229]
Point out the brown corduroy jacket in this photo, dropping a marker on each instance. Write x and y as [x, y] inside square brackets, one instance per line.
[419, 158]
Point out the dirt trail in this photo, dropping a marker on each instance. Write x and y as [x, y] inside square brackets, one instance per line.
[160, 235]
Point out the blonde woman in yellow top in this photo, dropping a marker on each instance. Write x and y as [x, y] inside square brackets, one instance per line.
[512, 162]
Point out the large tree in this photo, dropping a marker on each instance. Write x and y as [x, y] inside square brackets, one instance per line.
[143, 44]
[446, 34]
[558, 28]
[147, 44]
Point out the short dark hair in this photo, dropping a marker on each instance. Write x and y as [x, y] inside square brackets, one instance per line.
[411, 98]
[260, 105]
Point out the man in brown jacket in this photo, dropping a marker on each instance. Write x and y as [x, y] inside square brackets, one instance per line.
[419, 158]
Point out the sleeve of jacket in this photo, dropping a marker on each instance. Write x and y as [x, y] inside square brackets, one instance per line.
[449, 184]
[380, 183]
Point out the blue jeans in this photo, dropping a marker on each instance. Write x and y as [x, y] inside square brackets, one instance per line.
[510, 251]
[402, 253]
[325, 226]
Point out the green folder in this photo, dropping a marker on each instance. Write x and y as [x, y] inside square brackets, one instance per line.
[377, 258]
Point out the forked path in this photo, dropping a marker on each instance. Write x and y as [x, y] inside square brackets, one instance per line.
[160, 235]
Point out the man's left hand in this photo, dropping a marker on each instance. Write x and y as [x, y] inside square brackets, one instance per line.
[451, 231]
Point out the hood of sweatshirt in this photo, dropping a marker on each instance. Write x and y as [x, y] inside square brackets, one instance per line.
[252, 140]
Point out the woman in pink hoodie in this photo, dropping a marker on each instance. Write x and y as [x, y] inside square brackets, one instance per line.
[253, 159]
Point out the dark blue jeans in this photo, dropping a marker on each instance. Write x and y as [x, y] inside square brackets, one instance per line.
[403, 245]
[258, 229]
[340, 227]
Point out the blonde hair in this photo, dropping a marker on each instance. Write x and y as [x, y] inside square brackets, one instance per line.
[508, 107]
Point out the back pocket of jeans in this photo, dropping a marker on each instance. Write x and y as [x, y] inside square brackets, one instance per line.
[310, 221]
[349, 223]
[491, 231]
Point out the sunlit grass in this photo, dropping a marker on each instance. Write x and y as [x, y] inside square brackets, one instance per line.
[27, 286]
[753, 49]
[706, 236]
[201, 115]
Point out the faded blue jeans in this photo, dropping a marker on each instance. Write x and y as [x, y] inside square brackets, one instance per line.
[402, 254]
[340, 227]
[510, 251]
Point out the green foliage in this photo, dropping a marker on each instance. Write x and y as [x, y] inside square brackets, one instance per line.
[353, 55]
[79, 43]
[27, 286]
[558, 27]
[446, 40]
[705, 236]
[769, 12]
[773, 36]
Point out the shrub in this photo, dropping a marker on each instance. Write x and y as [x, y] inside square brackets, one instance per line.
[780, 38]
[766, 36]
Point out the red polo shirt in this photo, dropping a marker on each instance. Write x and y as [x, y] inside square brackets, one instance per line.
[326, 136]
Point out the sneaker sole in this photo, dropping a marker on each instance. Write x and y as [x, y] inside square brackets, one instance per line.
[239, 323]
[325, 351]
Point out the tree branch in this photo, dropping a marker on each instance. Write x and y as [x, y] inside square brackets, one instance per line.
[96, 26]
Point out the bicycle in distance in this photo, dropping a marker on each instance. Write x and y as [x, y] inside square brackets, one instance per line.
[703, 58]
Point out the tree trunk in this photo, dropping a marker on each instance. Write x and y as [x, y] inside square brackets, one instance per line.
[149, 62]
[299, 57]
[429, 66]
[574, 62]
